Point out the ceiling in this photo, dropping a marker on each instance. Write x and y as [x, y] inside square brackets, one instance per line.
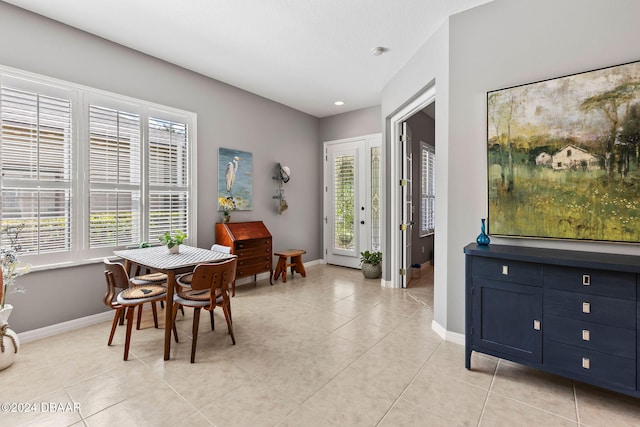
[306, 54]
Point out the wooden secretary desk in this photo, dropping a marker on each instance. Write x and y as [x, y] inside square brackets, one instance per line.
[252, 243]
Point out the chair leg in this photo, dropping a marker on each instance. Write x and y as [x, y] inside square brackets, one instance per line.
[227, 316]
[173, 321]
[116, 317]
[139, 317]
[194, 342]
[127, 340]
[155, 314]
[213, 325]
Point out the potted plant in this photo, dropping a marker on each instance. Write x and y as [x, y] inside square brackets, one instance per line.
[173, 241]
[371, 264]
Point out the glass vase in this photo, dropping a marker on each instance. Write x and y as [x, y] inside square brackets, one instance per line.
[482, 239]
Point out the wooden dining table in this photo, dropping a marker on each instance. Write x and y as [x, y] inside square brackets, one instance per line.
[157, 258]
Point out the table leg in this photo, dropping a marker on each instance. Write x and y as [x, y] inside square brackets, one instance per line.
[127, 267]
[168, 311]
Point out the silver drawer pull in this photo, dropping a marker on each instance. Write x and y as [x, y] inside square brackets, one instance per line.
[586, 363]
[505, 270]
[586, 280]
[536, 325]
[586, 335]
[586, 307]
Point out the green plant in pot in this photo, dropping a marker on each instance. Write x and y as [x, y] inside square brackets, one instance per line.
[371, 264]
[172, 241]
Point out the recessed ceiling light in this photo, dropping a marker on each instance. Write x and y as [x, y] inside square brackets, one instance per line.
[377, 51]
[339, 103]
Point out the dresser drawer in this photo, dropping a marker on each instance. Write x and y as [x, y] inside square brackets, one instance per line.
[590, 365]
[590, 308]
[525, 273]
[253, 244]
[591, 336]
[596, 282]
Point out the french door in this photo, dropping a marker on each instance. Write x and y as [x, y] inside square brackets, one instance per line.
[352, 199]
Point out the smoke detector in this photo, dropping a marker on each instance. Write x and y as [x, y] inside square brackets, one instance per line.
[377, 51]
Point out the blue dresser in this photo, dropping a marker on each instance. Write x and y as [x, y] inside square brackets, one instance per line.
[572, 313]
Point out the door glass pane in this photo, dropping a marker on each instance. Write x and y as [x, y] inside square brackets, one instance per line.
[344, 190]
[375, 199]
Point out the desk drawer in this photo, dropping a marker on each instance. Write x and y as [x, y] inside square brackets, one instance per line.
[252, 269]
[524, 273]
[254, 252]
[591, 308]
[591, 365]
[591, 336]
[253, 244]
[596, 282]
[261, 259]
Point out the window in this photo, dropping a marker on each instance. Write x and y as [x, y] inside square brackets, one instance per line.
[86, 172]
[428, 189]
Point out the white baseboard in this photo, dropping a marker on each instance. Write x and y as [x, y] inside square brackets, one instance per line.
[453, 337]
[59, 328]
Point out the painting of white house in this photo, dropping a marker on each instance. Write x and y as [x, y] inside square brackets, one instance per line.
[235, 177]
[564, 157]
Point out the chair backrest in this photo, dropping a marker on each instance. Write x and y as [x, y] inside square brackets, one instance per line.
[214, 276]
[221, 248]
[117, 280]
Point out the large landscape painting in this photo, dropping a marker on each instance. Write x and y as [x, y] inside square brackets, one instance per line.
[564, 157]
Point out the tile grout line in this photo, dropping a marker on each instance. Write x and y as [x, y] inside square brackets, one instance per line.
[395, 402]
[486, 400]
[575, 399]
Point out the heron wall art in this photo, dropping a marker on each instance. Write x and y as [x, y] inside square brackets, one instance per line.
[235, 177]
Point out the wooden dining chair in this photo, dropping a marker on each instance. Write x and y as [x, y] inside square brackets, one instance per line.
[121, 295]
[184, 280]
[209, 289]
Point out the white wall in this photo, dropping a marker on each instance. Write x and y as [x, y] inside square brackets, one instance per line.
[429, 66]
[497, 45]
[365, 121]
[227, 117]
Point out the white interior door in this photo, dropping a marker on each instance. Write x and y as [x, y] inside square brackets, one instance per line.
[352, 199]
[407, 206]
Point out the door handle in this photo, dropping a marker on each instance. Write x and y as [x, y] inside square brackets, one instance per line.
[362, 222]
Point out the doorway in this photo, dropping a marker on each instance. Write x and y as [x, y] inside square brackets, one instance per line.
[412, 240]
[352, 181]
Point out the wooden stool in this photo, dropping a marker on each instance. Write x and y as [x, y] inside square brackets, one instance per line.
[295, 264]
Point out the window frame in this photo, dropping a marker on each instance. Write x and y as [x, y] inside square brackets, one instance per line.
[81, 98]
[427, 193]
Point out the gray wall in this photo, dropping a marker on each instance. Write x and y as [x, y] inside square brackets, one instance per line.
[499, 44]
[423, 128]
[227, 117]
[365, 121]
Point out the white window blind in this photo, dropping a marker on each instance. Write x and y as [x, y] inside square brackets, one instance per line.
[114, 177]
[85, 172]
[428, 189]
[168, 177]
[36, 154]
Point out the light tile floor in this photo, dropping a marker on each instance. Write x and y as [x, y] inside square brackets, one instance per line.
[331, 349]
